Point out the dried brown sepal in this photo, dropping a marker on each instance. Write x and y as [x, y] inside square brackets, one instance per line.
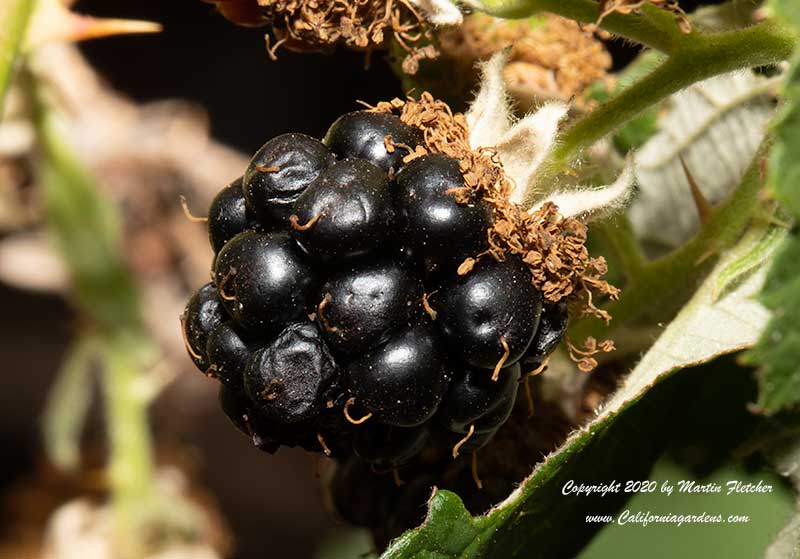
[319, 26]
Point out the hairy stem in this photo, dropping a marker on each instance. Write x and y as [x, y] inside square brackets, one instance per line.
[14, 18]
[620, 237]
[665, 279]
[758, 45]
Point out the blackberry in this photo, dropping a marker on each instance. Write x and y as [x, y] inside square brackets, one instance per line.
[475, 400]
[342, 320]
[490, 315]
[264, 280]
[430, 217]
[346, 212]
[228, 353]
[402, 381]
[203, 313]
[552, 327]
[385, 446]
[279, 173]
[363, 304]
[363, 135]
[228, 215]
[289, 379]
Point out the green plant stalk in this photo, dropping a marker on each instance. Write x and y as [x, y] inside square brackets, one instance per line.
[130, 467]
[619, 234]
[716, 54]
[86, 230]
[673, 275]
[14, 18]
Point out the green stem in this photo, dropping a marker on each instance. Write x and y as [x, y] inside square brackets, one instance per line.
[130, 464]
[14, 18]
[660, 282]
[622, 240]
[697, 60]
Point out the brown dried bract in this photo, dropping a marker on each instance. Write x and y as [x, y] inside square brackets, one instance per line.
[553, 247]
[320, 25]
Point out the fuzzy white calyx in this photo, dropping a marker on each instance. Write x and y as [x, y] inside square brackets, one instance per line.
[524, 144]
[439, 12]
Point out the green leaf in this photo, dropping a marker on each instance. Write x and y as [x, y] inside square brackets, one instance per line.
[751, 261]
[525, 524]
[787, 10]
[777, 351]
[67, 404]
[780, 443]
[14, 18]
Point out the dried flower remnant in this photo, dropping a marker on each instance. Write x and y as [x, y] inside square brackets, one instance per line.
[608, 7]
[366, 25]
[549, 57]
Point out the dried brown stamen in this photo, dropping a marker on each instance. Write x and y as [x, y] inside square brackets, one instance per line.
[295, 222]
[186, 343]
[271, 391]
[346, 412]
[396, 476]
[528, 395]
[359, 24]
[321, 307]
[270, 169]
[553, 59]
[466, 266]
[475, 478]
[188, 213]
[584, 358]
[426, 305]
[463, 441]
[221, 288]
[324, 446]
[503, 358]
[540, 369]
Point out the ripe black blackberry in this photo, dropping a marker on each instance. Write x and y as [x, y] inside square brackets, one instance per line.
[362, 305]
